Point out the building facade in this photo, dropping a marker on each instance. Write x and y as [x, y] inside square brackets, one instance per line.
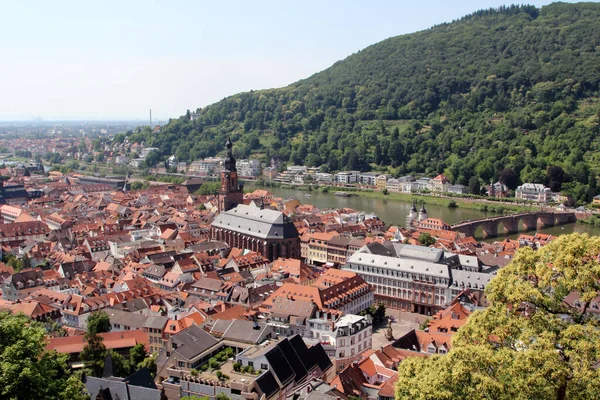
[533, 192]
[415, 278]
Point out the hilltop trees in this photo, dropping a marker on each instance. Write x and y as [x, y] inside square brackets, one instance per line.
[530, 343]
[27, 370]
[512, 88]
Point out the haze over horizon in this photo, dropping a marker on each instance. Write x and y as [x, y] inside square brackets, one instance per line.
[115, 60]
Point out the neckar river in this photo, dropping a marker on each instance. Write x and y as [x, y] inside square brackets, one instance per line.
[394, 212]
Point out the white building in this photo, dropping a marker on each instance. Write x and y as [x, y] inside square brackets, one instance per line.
[393, 185]
[249, 168]
[423, 183]
[206, 166]
[347, 177]
[415, 278]
[345, 339]
[458, 189]
[323, 177]
[533, 192]
[368, 178]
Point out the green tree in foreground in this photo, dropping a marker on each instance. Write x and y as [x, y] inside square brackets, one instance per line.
[94, 351]
[529, 343]
[27, 370]
[98, 322]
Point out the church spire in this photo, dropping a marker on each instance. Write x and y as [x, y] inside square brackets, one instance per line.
[229, 159]
[231, 192]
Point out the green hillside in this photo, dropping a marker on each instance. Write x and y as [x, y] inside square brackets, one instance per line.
[514, 89]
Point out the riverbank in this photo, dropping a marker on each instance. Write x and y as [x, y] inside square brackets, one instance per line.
[450, 202]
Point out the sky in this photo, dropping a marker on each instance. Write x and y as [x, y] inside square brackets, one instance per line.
[106, 60]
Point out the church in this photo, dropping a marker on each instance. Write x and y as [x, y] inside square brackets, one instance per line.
[265, 231]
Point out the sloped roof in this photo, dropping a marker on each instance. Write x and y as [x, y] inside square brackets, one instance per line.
[257, 222]
[193, 341]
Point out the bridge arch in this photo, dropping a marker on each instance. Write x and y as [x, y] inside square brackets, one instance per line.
[510, 224]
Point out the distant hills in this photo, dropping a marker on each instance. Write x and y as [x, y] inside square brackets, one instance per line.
[514, 89]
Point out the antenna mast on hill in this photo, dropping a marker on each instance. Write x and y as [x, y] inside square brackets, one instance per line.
[150, 118]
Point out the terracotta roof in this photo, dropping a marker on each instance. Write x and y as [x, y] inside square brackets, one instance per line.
[112, 340]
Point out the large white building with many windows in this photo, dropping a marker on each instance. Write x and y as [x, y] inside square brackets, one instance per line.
[415, 278]
[533, 192]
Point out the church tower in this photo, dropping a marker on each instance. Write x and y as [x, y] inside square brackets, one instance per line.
[231, 193]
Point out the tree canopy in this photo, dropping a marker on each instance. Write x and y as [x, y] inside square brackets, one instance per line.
[530, 343]
[98, 322]
[514, 87]
[27, 370]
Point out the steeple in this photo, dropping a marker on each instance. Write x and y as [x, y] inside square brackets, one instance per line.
[413, 212]
[422, 213]
[229, 159]
[231, 193]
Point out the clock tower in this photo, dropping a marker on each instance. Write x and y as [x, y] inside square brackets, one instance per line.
[231, 193]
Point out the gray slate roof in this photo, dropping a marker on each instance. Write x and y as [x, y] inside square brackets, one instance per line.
[246, 331]
[192, 341]
[475, 280]
[119, 390]
[260, 223]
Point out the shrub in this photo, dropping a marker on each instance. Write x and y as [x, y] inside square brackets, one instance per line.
[229, 352]
[219, 374]
[204, 367]
[213, 363]
[194, 372]
[237, 367]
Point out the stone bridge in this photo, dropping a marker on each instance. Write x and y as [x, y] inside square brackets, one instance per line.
[531, 220]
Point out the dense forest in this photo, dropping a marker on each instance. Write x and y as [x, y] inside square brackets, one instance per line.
[509, 93]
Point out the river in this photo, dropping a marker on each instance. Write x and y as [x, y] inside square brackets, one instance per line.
[394, 212]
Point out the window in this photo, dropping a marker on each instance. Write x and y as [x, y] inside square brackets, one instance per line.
[264, 366]
[250, 364]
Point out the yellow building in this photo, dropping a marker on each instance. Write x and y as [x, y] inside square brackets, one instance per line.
[381, 182]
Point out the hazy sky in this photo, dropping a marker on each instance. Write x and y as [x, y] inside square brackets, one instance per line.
[117, 59]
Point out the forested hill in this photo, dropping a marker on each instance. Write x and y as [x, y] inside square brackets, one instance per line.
[514, 88]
